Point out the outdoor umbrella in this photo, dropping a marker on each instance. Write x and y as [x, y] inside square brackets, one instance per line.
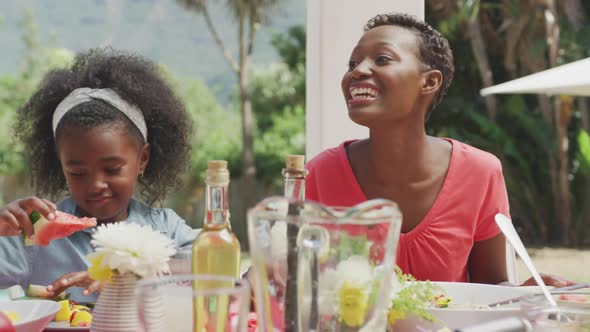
[570, 79]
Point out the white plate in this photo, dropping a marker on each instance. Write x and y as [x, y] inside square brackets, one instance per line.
[64, 326]
[467, 294]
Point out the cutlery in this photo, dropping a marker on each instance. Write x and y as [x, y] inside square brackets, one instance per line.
[555, 291]
[508, 229]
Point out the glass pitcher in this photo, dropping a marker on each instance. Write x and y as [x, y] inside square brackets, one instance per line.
[341, 274]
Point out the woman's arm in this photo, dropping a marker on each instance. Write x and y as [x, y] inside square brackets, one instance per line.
[487, 261]
[487, 264]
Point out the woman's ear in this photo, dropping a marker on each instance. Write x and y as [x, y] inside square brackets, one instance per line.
[433, 80]
[144, 158]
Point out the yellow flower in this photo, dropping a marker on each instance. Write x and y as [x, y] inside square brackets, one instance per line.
[98, 272]
[394, 315]
[353, 304]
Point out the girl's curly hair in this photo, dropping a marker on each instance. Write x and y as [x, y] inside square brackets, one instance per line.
[135, 79]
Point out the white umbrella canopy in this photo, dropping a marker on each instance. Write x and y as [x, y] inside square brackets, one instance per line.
[570, 79]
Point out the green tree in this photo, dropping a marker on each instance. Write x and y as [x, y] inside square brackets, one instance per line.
[283, 84]
[535, 136]
[278, 98]
[14, 92]
[216, 136]
[249, 14]
[291, 48]
[285, 136]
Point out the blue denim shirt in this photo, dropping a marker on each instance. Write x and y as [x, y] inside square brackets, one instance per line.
[36, 265]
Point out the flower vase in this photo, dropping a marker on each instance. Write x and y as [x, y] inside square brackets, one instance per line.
[116, 308]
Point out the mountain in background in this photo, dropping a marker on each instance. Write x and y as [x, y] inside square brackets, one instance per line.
[161, 30]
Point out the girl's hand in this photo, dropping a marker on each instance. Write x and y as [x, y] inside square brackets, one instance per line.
[14, 217]
[550, 280]
[75, 279]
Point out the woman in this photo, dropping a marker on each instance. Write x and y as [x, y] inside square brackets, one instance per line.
[448, 191]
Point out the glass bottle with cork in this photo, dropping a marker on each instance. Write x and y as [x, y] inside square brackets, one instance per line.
[216, 250]
[294, 181]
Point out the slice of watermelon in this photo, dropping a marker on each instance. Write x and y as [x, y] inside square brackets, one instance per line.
[61, 226]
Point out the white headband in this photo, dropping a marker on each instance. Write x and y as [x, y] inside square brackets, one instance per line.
[83, 95]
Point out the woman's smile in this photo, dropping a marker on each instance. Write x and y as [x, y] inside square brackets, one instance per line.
[362, 94]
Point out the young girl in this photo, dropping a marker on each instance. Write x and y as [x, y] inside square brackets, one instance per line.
[105, 128]
[448, 191]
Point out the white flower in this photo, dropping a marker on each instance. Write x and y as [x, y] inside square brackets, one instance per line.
[127, 247]
[356, 271]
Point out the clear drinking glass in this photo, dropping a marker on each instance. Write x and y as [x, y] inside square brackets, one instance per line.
[188, 303]
[568, 316]
[341, 278]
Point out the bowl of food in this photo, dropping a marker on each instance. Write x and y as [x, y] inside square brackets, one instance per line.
[455, 305]
[30, 315]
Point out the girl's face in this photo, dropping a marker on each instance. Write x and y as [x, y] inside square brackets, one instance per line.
[101, 166]
[385, 76]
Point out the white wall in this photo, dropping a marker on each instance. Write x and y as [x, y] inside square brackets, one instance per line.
[333, 28]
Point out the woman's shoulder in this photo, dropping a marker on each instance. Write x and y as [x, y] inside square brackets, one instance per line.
[328, 159]
[468, 156]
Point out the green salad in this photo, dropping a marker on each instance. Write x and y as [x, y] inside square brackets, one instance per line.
[414, 298]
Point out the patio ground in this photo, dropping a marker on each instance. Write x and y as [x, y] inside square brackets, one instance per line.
[569, 263]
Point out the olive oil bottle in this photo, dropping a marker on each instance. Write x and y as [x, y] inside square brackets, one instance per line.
[216, 251]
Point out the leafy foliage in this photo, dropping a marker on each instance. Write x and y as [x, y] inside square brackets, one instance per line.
[285, 136]
[15, 90]
[584, 151]
[217, 130]
[278, 100]
[520, 136]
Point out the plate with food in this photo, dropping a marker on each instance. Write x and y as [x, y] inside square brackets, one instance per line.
[452, 305]
[64, 327]
[71, 316]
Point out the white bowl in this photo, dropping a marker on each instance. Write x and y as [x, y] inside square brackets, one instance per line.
[467, 294]
[34, 315]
